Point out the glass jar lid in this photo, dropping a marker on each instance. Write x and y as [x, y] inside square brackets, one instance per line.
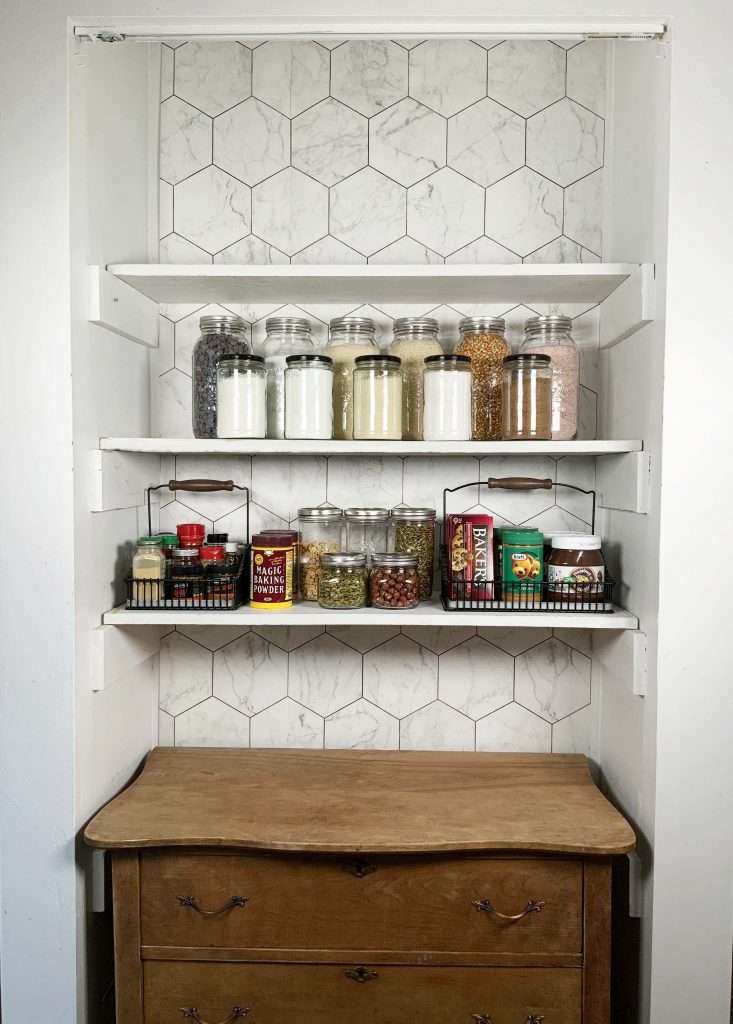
[540, 324]
[447, 362]
[414, 515]
[377, 361]
[222, 324]
[396, 559]
[371, 515]
[527, 360]
[482, 324]
[406, 325]
[287, 325]
[352, 325]
[324, 513]
[312, 358]
[236, 358]
[576, 542]
[352, 559]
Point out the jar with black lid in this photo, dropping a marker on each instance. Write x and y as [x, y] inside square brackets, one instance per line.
[220, 335]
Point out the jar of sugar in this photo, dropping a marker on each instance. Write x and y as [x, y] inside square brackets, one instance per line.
[447, 387]
[286, 336]
[308, 396]
[241, 409]
[550, 336]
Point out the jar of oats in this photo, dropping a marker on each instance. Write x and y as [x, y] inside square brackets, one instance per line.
[319, 533]
[550, 336]
[482, 340]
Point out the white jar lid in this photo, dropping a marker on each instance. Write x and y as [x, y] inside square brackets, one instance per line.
[576, 542]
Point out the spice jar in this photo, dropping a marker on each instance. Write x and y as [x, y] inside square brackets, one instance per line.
[220, 335]
[527, 398]
[482, 339]
[550, 336]
[286, 336]
[393, 581]
[319, 532]
[190, 535]
[447, 386]
[349, 337]
[521, 568]
[343, 580]
[308, 396]
[186, 575]
[576, 569]
[377, 398]
[232, 555]
[415, 338]
[167, 542]
[148, 568]
[241, 396]
[271, 581]
[413, 532]
[366, 530]
[217, 588]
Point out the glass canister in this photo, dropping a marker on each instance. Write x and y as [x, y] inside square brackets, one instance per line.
[220, 335]
[342, 582]
[447, 385]
[366, 530]
[527, 398]
[308, 396]
[319, 531]
[482, 339]
[286, 336]
[349, 337]
[378, 398]
[551, 336]
[415, 338]
[394, 581]
[148, 568]
[241, 396]
[413, 533]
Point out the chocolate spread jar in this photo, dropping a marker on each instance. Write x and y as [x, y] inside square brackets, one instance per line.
[576, 570]
[273, 557]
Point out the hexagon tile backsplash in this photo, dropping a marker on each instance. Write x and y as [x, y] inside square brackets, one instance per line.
[377, 152]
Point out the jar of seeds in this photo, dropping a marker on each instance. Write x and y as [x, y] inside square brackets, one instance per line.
[343, 581]
[482, 340]
[413, 533]
[220, 336]
[319, 531]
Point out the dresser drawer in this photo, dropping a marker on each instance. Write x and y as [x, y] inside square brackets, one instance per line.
[450, 904]
[324, 994]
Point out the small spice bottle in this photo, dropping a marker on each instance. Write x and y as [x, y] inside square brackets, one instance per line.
[343, 581]
[393, 581]
[550, 336]
[190, 535]
[232, 555]
[167, 541]
[217, 538]
[576, 569]
[415, 338]
[186, 576]
[482, 340]
[213, 564]
[366, 530]
[148, 568]
[319, 530]
[271, 582]
[413, 532]
[220, 335]
[527, 398]
[377, 398]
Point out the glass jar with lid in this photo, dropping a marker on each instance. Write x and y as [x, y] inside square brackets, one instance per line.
[349, 337]
[394, 581]
[415, 338]
[378, 398]
[286, 336]
[342, 582]
[527, 405]
[412, 532]
[220, 335]
[482, 339]
[148, 568]
[186, 576]
[551, 336]
[366, 529]
[447, 385]
[308, 396]
[240, 396]
[319, 532]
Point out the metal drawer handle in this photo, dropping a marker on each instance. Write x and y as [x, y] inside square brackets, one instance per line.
[360, 868]
[360, 974]
[533, 907]
[231, 903]
[191, 1013]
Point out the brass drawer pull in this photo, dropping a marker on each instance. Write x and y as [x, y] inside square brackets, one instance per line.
[231, 903]
[360, 868]
[360, 974]
[533, 907]
[191, 1013]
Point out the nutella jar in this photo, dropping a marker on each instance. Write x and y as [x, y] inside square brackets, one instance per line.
[271, 584]
[576, 570]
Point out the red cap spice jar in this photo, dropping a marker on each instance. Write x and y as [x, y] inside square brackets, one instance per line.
[273, 556]
[190, 535]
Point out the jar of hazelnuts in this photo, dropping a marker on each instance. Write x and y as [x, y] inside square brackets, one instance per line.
[394, 580]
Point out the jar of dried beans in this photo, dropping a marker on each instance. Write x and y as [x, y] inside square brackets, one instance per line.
[482, 340]
[550, 336]
[527, 398]
[415, 338]
[413, 533]
[319, 533]
[342, 581]
[393, 581]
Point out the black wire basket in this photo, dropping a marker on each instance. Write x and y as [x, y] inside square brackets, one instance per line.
[216, 593]
[461, 595]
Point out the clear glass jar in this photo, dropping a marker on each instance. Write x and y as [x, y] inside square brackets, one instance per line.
[148, 568]
[527, 398]
[186, 575]
[319, 532]
[342, 582]
[286, 336]
[366, 530]
[550, 336]
[415, 338]
[241, 409]
[413, 533]
[394, 581]
[220, 335]
[378, 398]
[308, 397]
[482, 339]
[447, 385]
[349, 337]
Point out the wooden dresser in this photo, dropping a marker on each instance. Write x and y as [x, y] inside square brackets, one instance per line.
[361, 887]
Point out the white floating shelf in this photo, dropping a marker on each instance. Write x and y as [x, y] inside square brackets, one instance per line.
[428, 614]
[436, 285]
[192, 446]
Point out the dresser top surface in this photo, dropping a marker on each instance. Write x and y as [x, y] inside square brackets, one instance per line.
[340, 801]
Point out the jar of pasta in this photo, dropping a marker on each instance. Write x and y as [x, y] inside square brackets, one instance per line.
[415, 338]
[319, 532]
[482, 340]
